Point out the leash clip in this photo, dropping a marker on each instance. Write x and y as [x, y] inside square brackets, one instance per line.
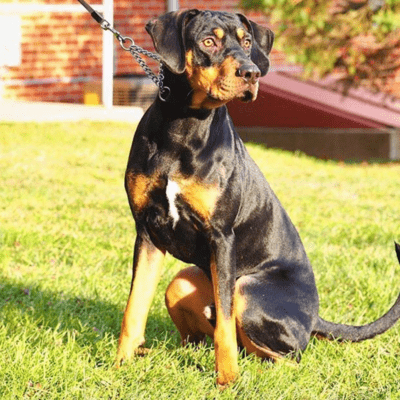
[123, 40]
[164, 93]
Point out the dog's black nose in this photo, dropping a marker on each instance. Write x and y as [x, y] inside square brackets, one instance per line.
[249, 72]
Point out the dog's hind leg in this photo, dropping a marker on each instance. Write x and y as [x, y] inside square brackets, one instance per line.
[187, 297]
[275, 314]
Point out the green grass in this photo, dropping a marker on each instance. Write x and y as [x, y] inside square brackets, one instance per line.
[66, 238]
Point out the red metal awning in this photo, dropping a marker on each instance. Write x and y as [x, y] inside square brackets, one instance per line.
[285, 101]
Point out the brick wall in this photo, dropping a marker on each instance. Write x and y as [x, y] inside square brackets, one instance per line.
[59, 52]
[62, 51]
[130, 19]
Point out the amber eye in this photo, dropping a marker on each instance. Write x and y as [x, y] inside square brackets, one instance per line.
[209, 42]
[247, 44]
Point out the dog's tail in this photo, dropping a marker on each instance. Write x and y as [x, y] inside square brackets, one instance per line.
[332, 331]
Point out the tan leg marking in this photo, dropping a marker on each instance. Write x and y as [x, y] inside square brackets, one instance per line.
[225, 341]
[144, 283]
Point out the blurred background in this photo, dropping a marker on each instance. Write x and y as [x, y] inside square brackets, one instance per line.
[51, 50]
[333, 87]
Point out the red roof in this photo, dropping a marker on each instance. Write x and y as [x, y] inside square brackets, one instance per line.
[287, 102]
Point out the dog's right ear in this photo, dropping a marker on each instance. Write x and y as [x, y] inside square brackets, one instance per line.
[167, 32]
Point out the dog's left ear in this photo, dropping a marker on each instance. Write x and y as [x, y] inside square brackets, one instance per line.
[262, 45]
[167, 33]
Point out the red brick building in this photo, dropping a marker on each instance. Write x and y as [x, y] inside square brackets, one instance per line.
[60, 46]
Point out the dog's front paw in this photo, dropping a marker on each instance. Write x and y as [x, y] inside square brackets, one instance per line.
[127, 348]
[226, 362]
[227, 368]
[225, 378]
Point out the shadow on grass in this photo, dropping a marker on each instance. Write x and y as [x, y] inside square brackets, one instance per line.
[89, 322]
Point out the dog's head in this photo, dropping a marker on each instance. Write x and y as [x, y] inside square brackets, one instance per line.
[222, 54]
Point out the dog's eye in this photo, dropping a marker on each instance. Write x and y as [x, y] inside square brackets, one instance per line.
[209, 42]
[247, 43]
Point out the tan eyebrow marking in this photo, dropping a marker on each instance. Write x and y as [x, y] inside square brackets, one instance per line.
[240, 33]
[219, 33]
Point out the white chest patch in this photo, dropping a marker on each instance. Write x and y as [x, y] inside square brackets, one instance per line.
[172, 191]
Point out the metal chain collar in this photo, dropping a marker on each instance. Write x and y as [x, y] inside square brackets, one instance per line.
[136, 50]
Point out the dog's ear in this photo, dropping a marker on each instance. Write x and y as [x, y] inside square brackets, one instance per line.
[262, 45]
[167, 33]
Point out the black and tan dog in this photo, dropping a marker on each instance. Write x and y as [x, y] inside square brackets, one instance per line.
[195, 192]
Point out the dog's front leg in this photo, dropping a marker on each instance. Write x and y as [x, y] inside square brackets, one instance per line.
[147, 263]
[223, 272]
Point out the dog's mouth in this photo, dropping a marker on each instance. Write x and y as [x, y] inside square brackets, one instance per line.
[234, 89]
[217, 85]
[221, 90]
[248, 97]
[250, 93]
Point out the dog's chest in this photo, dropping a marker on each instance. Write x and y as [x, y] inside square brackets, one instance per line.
[176, 212]
[172, 197]
[172, 191]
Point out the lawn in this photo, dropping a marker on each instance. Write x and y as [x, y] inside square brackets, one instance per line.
[66, 238]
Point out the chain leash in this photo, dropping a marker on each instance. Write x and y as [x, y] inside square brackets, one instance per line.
[128, 44]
